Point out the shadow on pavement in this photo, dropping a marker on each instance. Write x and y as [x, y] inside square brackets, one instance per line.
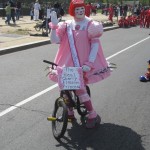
[105, 137]
[10, 25]
[13, 25]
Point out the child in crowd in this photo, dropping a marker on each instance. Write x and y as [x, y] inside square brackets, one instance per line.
[8, 13]
[148, 71]
[147, 74]
[31, 13]
[123, 22]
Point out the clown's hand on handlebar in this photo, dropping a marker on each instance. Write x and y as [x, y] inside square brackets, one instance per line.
[54, 19]
[51, 71]
[86, 68]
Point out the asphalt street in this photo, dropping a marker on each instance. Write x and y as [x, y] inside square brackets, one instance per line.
[122, 101]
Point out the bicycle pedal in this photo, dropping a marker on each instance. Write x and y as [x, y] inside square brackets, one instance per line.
[51, 118]
[69, 120]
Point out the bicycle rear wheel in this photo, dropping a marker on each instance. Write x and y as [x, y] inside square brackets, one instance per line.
[59, 126]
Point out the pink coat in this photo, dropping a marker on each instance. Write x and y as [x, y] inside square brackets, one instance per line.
[83, 40]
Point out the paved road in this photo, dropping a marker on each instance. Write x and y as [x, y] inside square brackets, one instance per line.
[121, 100]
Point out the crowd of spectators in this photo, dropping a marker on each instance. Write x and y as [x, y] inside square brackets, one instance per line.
[139, 16]
[121, 10]
[45, 10]
[12, 10]
[37, 11]
[126, 14]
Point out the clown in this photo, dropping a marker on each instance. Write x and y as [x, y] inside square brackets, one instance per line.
[85, 34]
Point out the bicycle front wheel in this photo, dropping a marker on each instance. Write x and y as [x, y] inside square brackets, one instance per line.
[59, 126]
[37, 28]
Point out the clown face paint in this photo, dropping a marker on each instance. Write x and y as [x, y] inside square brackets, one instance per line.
[79, 12]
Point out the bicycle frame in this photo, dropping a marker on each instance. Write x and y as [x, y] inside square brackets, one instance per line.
[67, 99]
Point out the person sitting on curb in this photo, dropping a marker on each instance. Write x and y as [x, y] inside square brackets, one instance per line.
[147, 74]
[123, 22]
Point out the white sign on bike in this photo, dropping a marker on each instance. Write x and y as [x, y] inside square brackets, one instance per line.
[70, 78]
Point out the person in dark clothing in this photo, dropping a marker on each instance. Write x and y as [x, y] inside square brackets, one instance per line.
[12, 5]
[18, 10]
[57, 9]
[32, 13]
[125, 9]
[121, 10]
[138, 11]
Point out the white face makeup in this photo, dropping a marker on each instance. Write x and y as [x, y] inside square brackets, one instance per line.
[79, 12]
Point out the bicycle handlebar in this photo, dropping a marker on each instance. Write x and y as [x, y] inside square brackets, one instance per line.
[51, 63]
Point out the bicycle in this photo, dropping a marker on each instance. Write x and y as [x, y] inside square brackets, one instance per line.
[60, 112]
[42, 26]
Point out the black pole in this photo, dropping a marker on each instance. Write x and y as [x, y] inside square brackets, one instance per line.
[3, 11]
[46, 20]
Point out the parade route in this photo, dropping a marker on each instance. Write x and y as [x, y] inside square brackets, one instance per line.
[55, 85]
[122, 101]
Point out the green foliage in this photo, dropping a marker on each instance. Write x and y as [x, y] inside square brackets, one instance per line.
[143, 2]
[26, 3]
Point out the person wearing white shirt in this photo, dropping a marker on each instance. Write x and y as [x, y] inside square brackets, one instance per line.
[48, 12]
[37, 7]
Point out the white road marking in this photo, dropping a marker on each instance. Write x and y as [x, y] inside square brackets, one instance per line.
[55, 85]
[27, 100]
[123, 50]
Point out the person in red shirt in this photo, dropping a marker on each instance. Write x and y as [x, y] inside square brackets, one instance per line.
[142, 17]
[123, 22]
[88, 9]
[129, 20]
[111, 13]
[147, 18]
[132, 20]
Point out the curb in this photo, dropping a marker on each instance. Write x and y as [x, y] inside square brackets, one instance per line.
[36, 44]
[111, 28]
[23, 47]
